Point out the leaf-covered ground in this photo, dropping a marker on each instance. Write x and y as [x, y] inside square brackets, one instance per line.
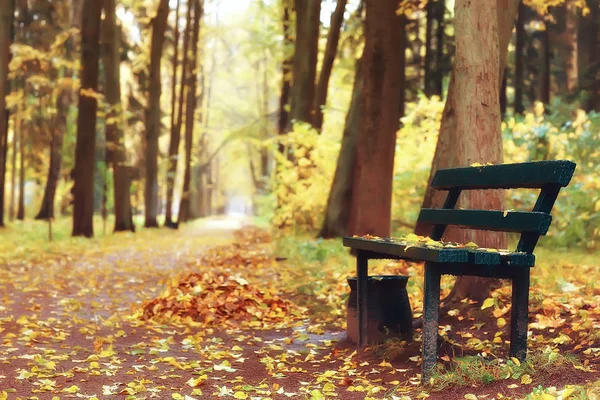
[209, 312]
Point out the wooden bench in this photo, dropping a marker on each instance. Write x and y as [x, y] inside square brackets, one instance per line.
[549, 176]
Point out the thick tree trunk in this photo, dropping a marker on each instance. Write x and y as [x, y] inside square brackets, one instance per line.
[7, 16]
[571, 62]
[339, 202]
[83, 189]
[175, 136]
[434, 74]
[153, 114]
[302, 94]
[63, 102]
[372, 196]
[286, 69]
[115, 149]
[520, 59]
[450, 149]
[333, 38]
[184, 207]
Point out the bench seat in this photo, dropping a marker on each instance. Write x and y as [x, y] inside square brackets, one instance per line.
[391, 248]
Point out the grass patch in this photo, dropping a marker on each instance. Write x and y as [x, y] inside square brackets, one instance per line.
[477, 370]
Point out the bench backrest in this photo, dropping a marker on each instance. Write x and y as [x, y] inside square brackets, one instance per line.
[549, 176]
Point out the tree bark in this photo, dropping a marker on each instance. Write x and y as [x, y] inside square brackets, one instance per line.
[339, 202]
[333, 38]
[13, 175]
[83, 189]
[7, 15]
[302, 93]
[438, 74]
[191, 102]
[286, 69]
[153, 114]
[175, 136]
[520, 59]
[372, 197]
[460, 143]
[115, 151]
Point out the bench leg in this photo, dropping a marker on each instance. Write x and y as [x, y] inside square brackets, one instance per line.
[431, 311]
[519, 315]
[362, 274]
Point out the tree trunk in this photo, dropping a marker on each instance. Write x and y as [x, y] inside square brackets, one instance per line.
[153, 114]
[13, 175]
[302, 93]
[429, 50]
[520, 59]
[372, 196]
[7, 15]
[175, 136]
[333, 38]
[115, 151]
[286, 69]
[83, 189]
[438, 74]
[21, 202]
[572, 65]
[545, 85]
[503, 95]
[402, 67]
[184, 207]
[63, 102]
[593, 73]
[339, 202]
[450, 150]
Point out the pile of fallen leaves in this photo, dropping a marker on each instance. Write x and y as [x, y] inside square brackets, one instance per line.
[218, 299]
[221, 296]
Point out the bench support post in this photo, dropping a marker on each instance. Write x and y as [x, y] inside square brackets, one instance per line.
[519, 315]
[362, 274]
[431, 311]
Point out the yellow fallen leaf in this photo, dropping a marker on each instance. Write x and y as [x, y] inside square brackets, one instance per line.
[177, 396]
[3, 395]
[501, 322]
[470, 396]
[526, 379]
[489, 302]
[72, 389]
[240, 395]
[516, 361]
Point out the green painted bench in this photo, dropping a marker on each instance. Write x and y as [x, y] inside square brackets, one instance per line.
[549, 176]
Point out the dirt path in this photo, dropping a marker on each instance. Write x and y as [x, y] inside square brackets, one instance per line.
[68, 329]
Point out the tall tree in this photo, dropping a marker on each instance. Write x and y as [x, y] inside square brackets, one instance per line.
[593, 71]
[571, 59]
[380, 112]
[63, 101]
[339, 202]
[470, 130]
[115, 148]
[175, 137]
[153, 114]
[7, 15]
[333, 38]
[83, 189]
[21, 200]
[434, 54]
[191, 103]
[286, 67]
[304, 69]
[520, 59]
[546, 76]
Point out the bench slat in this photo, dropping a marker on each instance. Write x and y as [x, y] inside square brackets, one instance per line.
[534, 175]
[512, 221]
[411, 252]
